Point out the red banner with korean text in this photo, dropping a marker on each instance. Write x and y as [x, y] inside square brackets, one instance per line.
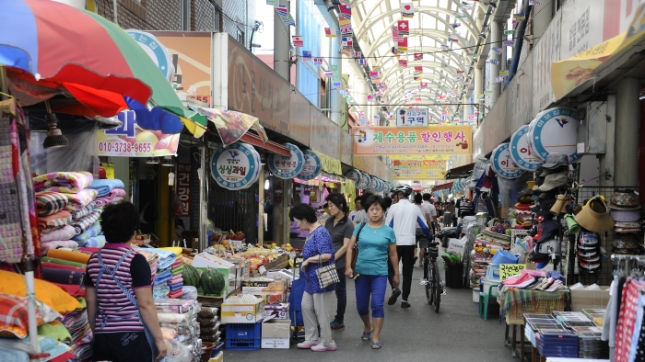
[183, 187]
[387, 141]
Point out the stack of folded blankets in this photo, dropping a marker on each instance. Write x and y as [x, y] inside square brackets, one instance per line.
[77, 323]
[176, 282]
[160, 287]
[109, 191]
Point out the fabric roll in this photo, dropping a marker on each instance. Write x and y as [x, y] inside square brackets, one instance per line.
[50, 202]
[92, 231]
[178, 271]
[176, 279]
[174, 287]
[70, 182]
[84, 223]
[77, 214]
[46, 264]
[176, 293]
[67, 232]
[79, 200]
[56, 220]
[62, 276]
[69, 255]
[46, 247]
[104, 186]
[62, 262]
[95, 242]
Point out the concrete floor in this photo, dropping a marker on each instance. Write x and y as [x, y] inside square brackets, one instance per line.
[455, 334]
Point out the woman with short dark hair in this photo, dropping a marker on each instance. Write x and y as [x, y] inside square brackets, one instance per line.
[118, 292]
[317, 251]
[375, 242]
[341, 229]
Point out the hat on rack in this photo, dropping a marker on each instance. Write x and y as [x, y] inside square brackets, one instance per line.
[625, 215]
[555, 160]
[624, 200]
[543, 172]
[588, 238]
[526, 198]
[595, 216]
[625, 241]
[549, 230]
[554, 180]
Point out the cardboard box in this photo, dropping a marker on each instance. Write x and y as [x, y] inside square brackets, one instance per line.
[241, 313]
[589, 299]
[276, 343]
[278, 311]
[276, 334]
[204, 261]
[270, 297]
[281, 274]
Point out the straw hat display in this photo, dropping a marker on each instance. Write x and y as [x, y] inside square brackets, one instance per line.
[595, 216]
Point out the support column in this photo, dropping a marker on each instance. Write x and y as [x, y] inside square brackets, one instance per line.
[281, 43]
[542, 16]
[336, 60]
[627, 131]
[496, 30]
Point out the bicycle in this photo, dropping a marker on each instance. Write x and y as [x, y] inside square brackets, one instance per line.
[431, 279]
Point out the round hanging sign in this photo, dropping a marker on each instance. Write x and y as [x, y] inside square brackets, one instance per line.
[157, 52]
[354, 175]
[521, 152]
[502, 163]
[373, 184]
[555, 131]
[312, 167]
[365, 181]
[287, 167]
[234, 167]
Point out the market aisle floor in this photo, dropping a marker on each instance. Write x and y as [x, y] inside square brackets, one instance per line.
[455, 334]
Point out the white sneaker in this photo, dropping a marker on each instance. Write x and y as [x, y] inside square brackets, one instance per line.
[308, 344]
[322, 348]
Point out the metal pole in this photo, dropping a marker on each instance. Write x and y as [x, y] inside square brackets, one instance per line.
[281, 44]
[336, 101]
[496, 41]
[628, 115]
[261, 208]
[203, 181]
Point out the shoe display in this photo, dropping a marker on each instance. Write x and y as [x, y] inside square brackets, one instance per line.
[322, 348]
[308, 344]
[395, 294]
[337, 326]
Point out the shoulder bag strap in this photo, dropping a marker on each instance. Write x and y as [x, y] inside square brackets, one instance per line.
[358, 234]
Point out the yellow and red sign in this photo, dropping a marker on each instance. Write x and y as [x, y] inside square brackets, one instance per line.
[419, 170]
[386, 141]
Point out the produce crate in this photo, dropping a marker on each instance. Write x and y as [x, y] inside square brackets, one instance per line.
[243, 344]
[242, 330]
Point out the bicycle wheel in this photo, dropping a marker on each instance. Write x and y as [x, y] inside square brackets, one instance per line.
[427, 275]
[437, 287]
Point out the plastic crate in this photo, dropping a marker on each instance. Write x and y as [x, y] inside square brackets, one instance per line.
[243, 330]
[243, 344]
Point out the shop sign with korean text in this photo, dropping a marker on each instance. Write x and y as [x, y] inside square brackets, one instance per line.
[311, 167]
[287, 167]
[183, 187]
[385, 141]
[521, 152]
[234, 167]
[555, 131]
[130, 140]
[412, 117]
[419, 170]
[503, 164]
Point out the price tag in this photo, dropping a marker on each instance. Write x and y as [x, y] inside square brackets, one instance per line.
[262, 270]
[509, 270]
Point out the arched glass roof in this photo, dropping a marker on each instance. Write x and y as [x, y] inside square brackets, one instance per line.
[445, 62]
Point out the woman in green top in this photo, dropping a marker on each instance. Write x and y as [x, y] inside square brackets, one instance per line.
[375, 242]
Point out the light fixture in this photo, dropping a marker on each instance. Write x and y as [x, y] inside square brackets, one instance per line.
[55, 138]
[171, 179]
[168, 161]
[152, 160]
[267, 184]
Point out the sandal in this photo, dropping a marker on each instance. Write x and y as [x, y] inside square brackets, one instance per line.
[366, 336]
[376, 345]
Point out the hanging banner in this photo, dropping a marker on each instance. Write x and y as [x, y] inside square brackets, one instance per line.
[412, 117]
[419, 170]
[236, 167]
[407, 10]
[231, 125]
[502, 163]
[521, 152]
[287, 167]
[183, 188]
[311, 167]
[130, 140]
[385, 141]
[555, 131]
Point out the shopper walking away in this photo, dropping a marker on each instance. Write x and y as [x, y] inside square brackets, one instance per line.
[422, 242]
[375, 242]
[317, 251]
[341, 230]
[403, 218]
[118, 292]
[432, 210]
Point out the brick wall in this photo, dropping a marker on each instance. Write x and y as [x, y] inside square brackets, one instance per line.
[202, 15]
[239, 15]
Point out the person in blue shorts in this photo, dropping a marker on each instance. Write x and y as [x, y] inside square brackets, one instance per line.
[374, 242]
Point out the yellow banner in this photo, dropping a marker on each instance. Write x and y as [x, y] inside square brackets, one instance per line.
[419, 170]
[419, 157]
[386, 141]
[330, 164]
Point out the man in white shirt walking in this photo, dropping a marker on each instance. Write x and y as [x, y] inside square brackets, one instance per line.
[403, 218]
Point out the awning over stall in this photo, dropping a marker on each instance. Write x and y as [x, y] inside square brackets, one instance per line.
[460, 172]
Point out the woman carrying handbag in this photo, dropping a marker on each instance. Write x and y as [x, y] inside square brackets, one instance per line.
[320, 280]
[373, 241]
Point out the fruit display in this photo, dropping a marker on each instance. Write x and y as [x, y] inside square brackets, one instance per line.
[257, 257]
[235, 236]
[212, 281]
[190, 276]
